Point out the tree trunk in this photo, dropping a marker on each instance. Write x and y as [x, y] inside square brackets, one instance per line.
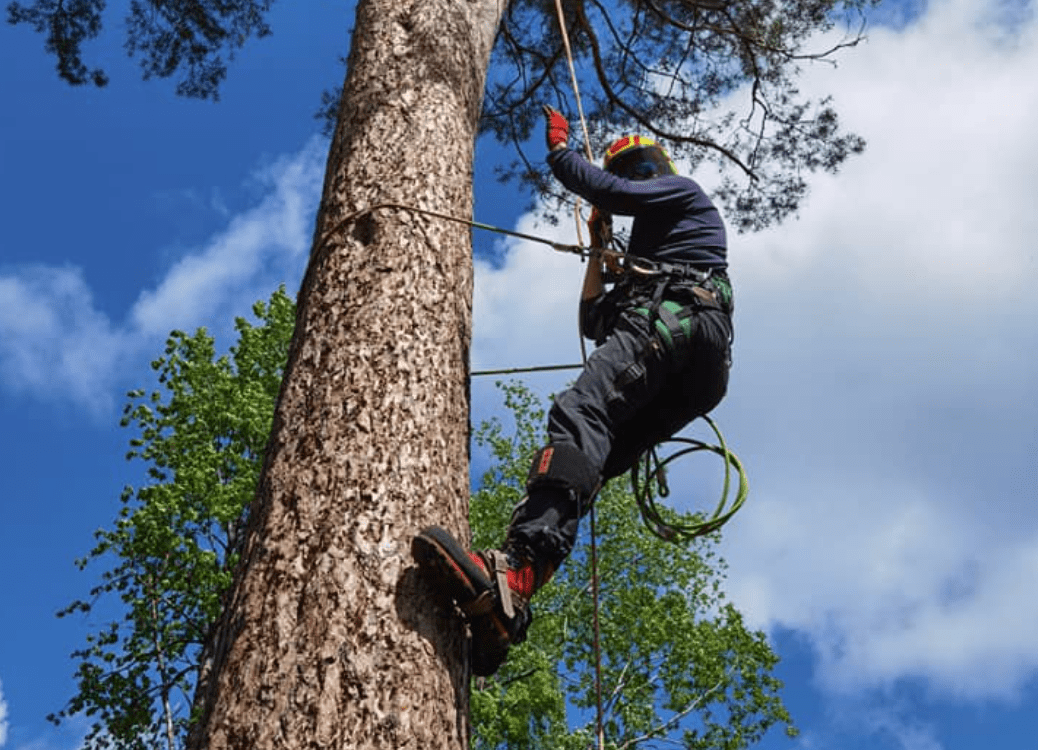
[327, 639]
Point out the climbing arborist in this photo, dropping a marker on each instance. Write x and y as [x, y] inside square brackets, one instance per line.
[663, 334]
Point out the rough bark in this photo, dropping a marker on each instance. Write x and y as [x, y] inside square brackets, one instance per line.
[327, 639]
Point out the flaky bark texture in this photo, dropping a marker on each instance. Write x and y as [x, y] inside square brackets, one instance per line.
[327, 638]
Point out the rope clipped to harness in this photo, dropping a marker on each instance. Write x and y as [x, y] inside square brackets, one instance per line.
[671, 525]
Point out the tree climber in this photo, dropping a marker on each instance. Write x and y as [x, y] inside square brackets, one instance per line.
[663, 336]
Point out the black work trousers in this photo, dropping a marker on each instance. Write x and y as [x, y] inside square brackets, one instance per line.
[632, 394]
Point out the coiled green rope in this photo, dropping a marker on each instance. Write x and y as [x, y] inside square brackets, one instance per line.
[674, 526]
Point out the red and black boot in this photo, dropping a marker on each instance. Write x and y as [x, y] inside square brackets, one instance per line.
[492, 589]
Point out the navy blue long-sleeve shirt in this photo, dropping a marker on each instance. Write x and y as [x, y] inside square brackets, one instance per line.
[674, 220]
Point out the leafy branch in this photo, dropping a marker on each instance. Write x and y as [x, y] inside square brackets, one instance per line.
[175, 543]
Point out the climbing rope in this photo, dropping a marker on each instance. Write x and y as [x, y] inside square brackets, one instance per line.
[517, 370]
[599, 719]
[671, 525]
[573, 79]
[356, 215]
[600, 724]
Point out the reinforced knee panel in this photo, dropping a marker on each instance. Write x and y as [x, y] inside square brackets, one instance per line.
[563, 465]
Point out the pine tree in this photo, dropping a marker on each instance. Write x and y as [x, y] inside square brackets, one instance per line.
[326, 638]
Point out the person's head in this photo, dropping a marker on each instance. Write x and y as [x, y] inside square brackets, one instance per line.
[637, 157]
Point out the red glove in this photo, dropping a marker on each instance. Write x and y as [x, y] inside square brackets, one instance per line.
[557, 128]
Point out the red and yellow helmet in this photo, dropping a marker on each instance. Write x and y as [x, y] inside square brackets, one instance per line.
[637, 157]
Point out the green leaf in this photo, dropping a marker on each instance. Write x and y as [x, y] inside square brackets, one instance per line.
[168, 557]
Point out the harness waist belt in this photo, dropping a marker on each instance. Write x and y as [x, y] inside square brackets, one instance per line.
[678, 270]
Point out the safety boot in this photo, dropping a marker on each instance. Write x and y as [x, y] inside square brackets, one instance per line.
[491, 588]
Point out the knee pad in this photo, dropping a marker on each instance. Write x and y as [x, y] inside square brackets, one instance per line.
[564, 466]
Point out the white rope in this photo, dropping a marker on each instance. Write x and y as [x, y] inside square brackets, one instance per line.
[573, 77]
[594, 557]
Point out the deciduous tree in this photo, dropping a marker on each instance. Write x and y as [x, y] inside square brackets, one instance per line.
[172, 550]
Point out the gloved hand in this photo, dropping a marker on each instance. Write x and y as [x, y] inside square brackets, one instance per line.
[556, 129]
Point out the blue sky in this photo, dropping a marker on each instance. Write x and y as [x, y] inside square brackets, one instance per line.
[882, 395]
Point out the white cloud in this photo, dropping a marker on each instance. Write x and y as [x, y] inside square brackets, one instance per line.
[53, 340]
[888, 593]
[3, 717]
[907, 734]
[525, 310]
[883, 390]
[69, 735]
[889, 724]
[56, 345]
[267, 240]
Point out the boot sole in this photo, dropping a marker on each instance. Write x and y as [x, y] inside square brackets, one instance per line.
[446, 566]
[453, 576]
